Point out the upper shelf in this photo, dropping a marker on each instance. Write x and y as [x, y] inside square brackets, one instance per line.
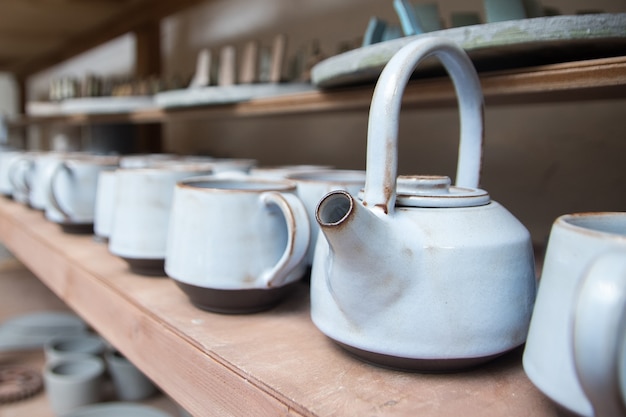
[274, 363]
[582, 80]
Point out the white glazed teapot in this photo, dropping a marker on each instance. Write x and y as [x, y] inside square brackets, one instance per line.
[420, 274]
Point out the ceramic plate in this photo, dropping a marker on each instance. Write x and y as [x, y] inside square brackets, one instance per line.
[215, 95]
[99, 105]
[117, 409]
[492, 46]
[31, 331]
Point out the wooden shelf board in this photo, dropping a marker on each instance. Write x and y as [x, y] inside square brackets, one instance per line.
[264, 364]
[584, 80]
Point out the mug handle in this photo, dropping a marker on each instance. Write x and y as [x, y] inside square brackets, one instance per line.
[600, 335]
[52, 193]
[19, 170]
[298, 236]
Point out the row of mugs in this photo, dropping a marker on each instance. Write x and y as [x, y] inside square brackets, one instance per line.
[77, 370]
[234, 236]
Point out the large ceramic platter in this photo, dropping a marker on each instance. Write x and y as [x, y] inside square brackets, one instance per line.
[215, 95]
[499, 45]
[104, 105]
[32, 330]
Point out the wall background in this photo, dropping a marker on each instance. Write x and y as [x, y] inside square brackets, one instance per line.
[540, 161]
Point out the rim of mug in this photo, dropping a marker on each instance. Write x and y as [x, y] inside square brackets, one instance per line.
[90, 366]
[582, 222]
[201, 168]
[295, 168]
[221, 184]
[333, 176]
[93, 343]
[92, 159]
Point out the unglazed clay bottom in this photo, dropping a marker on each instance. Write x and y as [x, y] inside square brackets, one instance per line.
[235, 301]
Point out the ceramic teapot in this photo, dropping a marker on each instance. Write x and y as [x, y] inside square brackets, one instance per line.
[417, 273]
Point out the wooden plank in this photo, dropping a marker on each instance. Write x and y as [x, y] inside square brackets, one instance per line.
[584, 80]
[126, 19]
[264, 364]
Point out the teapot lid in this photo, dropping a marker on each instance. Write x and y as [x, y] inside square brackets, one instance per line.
[436, 191]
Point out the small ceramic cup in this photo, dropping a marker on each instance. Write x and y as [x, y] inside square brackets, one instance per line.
[73, 382]
[60, 347]
[143, 200]
[129, 382]
[313, 185]
[576, 347]
[7, 158]
[73, 190]
[105, 205]
[20, 176]
[236, 245]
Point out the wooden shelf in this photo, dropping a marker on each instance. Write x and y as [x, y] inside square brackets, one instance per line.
[583, 80]
[265, 364]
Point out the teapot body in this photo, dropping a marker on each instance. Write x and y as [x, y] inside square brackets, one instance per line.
[435, 287]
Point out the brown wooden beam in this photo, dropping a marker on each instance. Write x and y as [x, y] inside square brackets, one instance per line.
[144, 13]
[148, 50]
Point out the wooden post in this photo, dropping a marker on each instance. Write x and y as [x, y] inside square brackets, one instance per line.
[148, 65]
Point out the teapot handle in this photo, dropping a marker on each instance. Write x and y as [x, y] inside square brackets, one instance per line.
[600, 335]
[382, 136]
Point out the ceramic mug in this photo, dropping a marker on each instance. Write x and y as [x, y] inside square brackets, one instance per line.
[576, 347]
[63, 346]
[7, 157]
[129, 382]
[313, 185]
[19, 175]
[44, 165]
[73, 189]
[236, 245]
[72, 382]
[143, 200]
[105, 205]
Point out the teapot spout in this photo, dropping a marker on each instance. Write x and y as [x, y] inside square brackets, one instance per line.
[346, 223]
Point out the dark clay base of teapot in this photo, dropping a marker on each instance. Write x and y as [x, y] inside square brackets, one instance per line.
[417, 365]
[148, 267]
[235, 301]
[77, 228]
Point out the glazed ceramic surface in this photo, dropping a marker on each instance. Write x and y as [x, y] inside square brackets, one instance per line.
[73, 189]
[73, 382]
[237, 234]
[6, 161]
[313, 185]
[576, 344]
[421, 274]
[143, 202]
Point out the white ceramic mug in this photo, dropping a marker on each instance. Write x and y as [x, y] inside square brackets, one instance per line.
[129, 382]
[576, 346]
[19, 174]
[72, 382]
[44, 165]
[73, 189]
[313, 185]
[63, 346]
[141, 215]
[6, 161]
[105, 204]
[236, 245]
